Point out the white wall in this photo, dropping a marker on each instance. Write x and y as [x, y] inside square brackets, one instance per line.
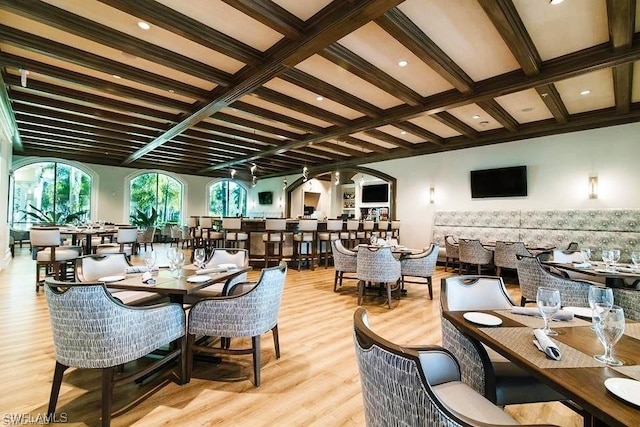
[558, 171]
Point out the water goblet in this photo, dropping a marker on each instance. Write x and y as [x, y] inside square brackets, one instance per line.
[607, 258]
[198, 257]
[635, 259]
[171, 254]
[548, 300]
[601, 296]
[150, 259]
[178, 262]
[615, 257]
[373, 239]
[609, 328]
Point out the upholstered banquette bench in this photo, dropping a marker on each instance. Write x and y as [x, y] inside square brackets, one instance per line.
[595, 229]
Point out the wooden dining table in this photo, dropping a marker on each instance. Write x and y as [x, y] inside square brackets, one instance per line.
[175, 288]
[77, 234]
[615, 277]
[578, 376]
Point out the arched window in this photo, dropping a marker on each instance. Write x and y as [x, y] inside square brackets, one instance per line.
[227, 198]
[50, 192]
[157, 191]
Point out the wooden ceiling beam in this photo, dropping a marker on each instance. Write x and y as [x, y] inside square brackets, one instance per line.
[89, 82]
[342, 150]
[383, 136]
[228, 131]
[621, 17]
[162, 16]
[315, 85]
[453, 122]
[338, 19]
[399, 26]
[91, 30]
[352, 140]
[250, 124]
[551, 97]
[419, 131]
[572, 65]
[62, 52]
[271, 15]
[351, 62]
[500, 114]
[282, 118]
[505, 19]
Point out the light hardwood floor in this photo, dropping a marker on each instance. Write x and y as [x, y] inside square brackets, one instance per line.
[314, 383]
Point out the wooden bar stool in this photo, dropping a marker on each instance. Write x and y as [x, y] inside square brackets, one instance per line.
[210, 237]
[307, 238]
[383, 228]
[367, 230]
[274, 238]
[334, 227]
[351, 235]
[233, 234]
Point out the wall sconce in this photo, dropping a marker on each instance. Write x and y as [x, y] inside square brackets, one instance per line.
[432, 195]
[284, 183]
[593, 187]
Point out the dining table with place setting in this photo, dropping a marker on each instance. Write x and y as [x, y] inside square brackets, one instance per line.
[567, 356]
[177, 281]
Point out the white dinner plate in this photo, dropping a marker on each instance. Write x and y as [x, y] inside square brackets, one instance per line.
[110, 279]
[482, 318]
[624, 388]
[580, 311]
[198, 279]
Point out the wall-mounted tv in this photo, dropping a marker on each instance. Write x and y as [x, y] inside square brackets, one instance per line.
[502, 182]
[375, 193]
[265, 197]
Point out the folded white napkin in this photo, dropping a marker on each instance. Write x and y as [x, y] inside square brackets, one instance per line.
[582, 264]
[209, 270]
[228, 266]
[546, 345]
[148, 279]
[139, 269]
[562, 315]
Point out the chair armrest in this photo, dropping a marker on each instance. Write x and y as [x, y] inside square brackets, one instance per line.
[238, 288]
[438, 364]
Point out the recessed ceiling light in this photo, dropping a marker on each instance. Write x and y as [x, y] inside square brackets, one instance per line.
[484, 123]
[144, 25]
[319, 98]
[404, 132]
[554, 2]
[475, 116]
[526, 110]
[585, 92]
[171, 91]
[116, 76]
[403, 63]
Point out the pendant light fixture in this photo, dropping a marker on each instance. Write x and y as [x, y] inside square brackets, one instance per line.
[337, 178]
[233, 173]
[305, 174]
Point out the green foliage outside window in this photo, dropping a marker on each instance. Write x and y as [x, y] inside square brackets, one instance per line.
[153, 192]
[227, 198]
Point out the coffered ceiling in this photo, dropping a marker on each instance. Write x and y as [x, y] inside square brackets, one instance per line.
[215, 85]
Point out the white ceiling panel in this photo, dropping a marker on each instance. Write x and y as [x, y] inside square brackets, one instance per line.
[303, 9]
[432, 125]
[254, 100]
[600, 83]
[363, 136]
[564, 28]
[468, 114]
[377, 47]
[237, 113]
[525, 106]
[402, 134]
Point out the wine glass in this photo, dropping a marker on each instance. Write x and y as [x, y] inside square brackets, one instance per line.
[609, 328]
[548, 300]
[615, 257]
[171, 254]
[198, 257]
[374, 239]
[607, 258]
[178, 262]
[635, 258]
[150, 259]
[601, 296]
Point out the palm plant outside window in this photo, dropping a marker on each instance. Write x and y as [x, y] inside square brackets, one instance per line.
[155, 191]
[50, 192]
[227, 198]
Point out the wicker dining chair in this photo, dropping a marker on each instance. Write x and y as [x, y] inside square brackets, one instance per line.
[377, 265]
[249, 314]
[416, 385]
[473, 253]
[505, 255]
[420, 265]
[531, 276]
[452, 252]
[93, 330]
[344, 262]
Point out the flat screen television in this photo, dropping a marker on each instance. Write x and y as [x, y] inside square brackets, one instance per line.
[501, 182]
[375, 193]
[265, 197]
